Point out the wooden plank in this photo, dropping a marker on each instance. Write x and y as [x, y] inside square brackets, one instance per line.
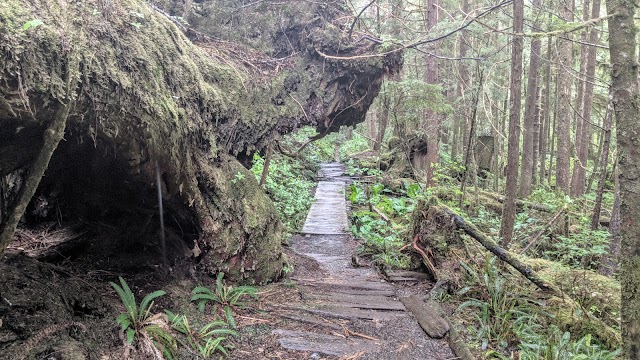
[340, 312]
[432, 323]
[407, 274]
[323, 344]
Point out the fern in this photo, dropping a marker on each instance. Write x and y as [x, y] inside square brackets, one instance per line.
[227, 297]
[137, 322]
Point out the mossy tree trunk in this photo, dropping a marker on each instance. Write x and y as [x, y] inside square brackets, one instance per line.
[626, 102]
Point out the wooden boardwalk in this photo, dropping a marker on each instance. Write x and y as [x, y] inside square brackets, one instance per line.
[355, 313]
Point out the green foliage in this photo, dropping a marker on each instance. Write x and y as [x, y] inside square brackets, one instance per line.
[288, 186]
[382, 239]
[224, 297]
[506, 323]
[554, 344]
[206, 340]
[32, 24]
[498, 311]
[237, 177]
[138, 322]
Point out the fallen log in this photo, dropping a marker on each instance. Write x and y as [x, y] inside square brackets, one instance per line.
[603, 331]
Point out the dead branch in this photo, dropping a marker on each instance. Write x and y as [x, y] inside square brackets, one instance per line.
[546, 227]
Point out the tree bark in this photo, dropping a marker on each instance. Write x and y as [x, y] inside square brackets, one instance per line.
[530, 116]
[626, 97]
[545, 118]
[431, 119]
[563, 132]
[515, 88]
[583, 138]
[604, 156]
[610, 260]
[461, 87]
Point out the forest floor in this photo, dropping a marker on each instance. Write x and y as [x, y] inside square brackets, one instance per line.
[331, 306]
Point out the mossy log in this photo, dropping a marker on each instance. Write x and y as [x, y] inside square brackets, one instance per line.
[147, 94]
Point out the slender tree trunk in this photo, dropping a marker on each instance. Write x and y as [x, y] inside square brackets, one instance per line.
[595, 218]
[372, 119]
[544, 121]
[431, 119]
[462, 86]
[610, 260]
[579, 106]
[563, 131]
[626, 97]
[509, 210]
[530, 107]
[552, 137]
[383, 121]
[596, 173]
[267, 163]
[583, 138]
[536, 137]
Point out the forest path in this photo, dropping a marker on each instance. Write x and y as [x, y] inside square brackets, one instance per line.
[353, 312]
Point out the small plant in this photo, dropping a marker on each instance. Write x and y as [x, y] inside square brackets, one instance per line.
[138, 323]
[237, 177]
[207, 340]
[225, 296]
[32, 24]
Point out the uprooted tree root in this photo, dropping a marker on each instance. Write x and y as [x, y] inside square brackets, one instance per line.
[437, 239]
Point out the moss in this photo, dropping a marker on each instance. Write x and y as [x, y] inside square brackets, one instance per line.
[148, 95]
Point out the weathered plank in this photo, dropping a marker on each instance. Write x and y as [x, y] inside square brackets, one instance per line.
[432, 323]
[324, 344]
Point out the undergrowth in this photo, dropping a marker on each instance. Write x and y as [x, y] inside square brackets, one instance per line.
[289, 185]
[503, 321]
[168, 335]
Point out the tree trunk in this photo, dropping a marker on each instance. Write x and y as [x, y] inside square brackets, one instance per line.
[431, 119]
[563, 131]
[626, 97]
[461, 87]
[545, 118]
[530, 116]
[372, 119]
[604, 157]
[536, 137]
[610, 260]
[583, 138]
[515, 88]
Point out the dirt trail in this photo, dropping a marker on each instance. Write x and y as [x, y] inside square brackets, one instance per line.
[354, 313]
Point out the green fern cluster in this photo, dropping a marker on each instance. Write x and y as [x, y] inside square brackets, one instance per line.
[224, 298]
[207, 340]
[137, 323]
[160, 335]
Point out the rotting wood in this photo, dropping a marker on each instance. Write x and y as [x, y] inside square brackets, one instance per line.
[430, 321]
[406, 274]
[457, 343]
